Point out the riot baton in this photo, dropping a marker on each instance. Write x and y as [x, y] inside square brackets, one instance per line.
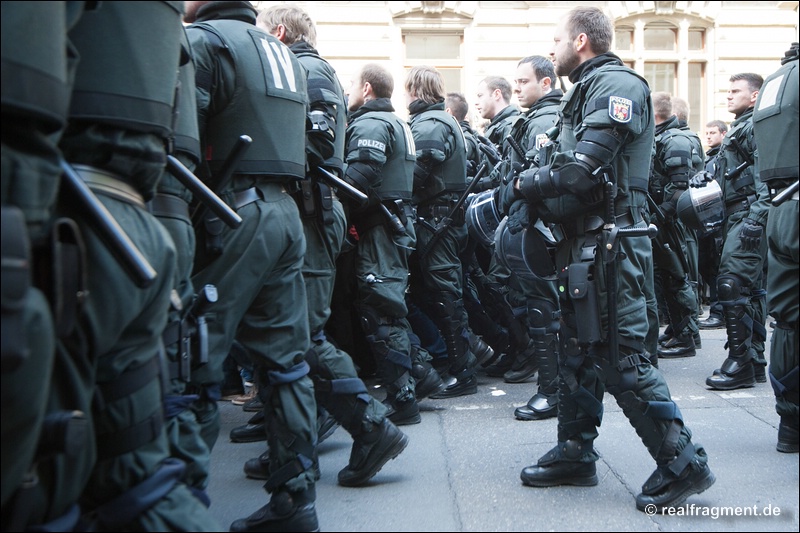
[225, 174]
[129, 257]
[785, 194]
[347, 190]
[445, 222]
[201, 191]
[512, 142]
[608, 241]
[733, 174]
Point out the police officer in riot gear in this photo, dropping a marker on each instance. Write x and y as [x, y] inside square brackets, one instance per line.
[744, 250]
[678, 157]
[534, 296]
[380, 158]
[116, 141]
[42, 475]
[249, 83]
[775, 127]
[336, 383]
[439, 181]
[606, 135]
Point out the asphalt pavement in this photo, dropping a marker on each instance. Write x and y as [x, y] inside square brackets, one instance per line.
[460, 471]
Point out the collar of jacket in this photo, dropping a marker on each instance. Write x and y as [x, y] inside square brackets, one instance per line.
[596, 62]
[227, 10]
[379, 104]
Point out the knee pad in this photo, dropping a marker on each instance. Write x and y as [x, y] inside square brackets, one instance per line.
[543, 316]
[731, 290]
[290, 375]
[374, 323]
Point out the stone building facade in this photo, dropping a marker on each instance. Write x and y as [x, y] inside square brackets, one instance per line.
[687, 48]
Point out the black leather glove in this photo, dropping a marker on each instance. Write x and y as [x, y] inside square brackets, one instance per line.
[518, 217]
[668, 209]
[750, 234]
[700, 179]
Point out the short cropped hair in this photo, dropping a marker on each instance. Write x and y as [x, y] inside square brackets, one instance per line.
[542, 67]
[595, 24]
[719, 124]
[498, 82]
[458, 105]
[662, 104]
[754, 81]
[379, 78]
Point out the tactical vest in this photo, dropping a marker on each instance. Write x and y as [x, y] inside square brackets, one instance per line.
[324, 86]
[269, 103]
[397, 173]
[452, 171]
[124, 85]
[742, 184]
[637, 154]
[776, 126]
[678, 156]
[35, 79]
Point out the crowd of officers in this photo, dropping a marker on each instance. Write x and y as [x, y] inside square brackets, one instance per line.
[167, 198]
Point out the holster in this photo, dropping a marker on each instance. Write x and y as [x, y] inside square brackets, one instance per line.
[212, 236]
[315, 200]
[583, 293]
[67, 288]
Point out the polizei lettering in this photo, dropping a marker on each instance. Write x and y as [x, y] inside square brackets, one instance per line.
[369, 143]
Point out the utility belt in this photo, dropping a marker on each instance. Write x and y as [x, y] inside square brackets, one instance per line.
[109, 184]
[169, 206]
[777, 189]
[438, 211]
[315, 200]
[591, 224]
[740, 204]
[214, 227]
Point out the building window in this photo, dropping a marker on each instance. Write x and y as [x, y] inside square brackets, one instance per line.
[623, 38]
[669, 52]
[437, 49]
[697, 39]
[658, 36]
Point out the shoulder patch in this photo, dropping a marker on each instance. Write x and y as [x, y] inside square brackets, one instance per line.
[620, 109]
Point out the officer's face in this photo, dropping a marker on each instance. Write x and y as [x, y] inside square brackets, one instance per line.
[528, 88]
[563, 53]
[486, 103]
[714, 137]
[355, 95]
[740, 97]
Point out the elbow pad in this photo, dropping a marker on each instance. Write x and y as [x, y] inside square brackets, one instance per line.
[320, 136]
[361, 175]
[422, 170]
[595, 150]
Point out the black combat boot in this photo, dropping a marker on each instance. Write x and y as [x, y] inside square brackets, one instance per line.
[483, 352]
[663, 489]
[737, 370]
[450, 317]
[678, 346]
[569, 463]
[286, 511]
[402, 406]
[254, 431]
[788, 435]
[428, 380]
[543, 404]
[372, 448]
